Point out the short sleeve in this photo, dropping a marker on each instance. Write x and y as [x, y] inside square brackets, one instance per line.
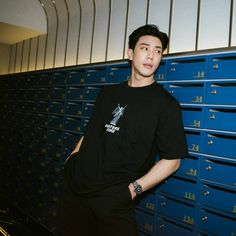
[170, 136]
[95, 117]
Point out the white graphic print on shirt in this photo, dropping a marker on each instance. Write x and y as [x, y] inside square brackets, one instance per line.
[117, 113]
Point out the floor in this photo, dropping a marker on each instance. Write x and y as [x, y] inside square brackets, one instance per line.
[15, 223]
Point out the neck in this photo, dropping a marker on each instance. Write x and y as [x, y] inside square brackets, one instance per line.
[140, 82]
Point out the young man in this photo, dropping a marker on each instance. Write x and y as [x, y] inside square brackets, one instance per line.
[114, 161]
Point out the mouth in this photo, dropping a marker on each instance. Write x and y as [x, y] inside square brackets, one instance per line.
[148, 66]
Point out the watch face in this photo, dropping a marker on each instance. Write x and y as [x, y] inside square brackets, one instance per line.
[137, 188]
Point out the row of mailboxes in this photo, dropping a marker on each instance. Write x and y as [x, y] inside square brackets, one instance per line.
[211, 142]
[55, 93]
[217, 92]
[221, 66]
[209, 117]
[190, 216]
[179, 219]
[30, 110]
[90, 76]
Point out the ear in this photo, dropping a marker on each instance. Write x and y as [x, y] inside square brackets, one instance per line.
[130, 54]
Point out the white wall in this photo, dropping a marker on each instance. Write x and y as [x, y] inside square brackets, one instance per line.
[23, 13]
[4, 58]
[87, 31]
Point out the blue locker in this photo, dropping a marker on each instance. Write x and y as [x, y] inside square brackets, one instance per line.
[220, 144]
[56, 107]
[90, 93]
[119, 73]
[74, 108]
[145, 221]
[222, 66]
[41, 120]
[176, 210]
[31, 93]
[71, 139]
[76, 77]
[211, 196]
[220, 118]
[189, 168]
[84, 123]
[40, 134]
[65, 153]
[168, 228]
[216, 223]
[194, 140]
[58, 93]
[221, 92]
[55, 121]
[192, 116]
[75, 93]
[43, 93]
[220, 172]
[188, 68]
[55, 137]
[181, 188]
[96, 76]
[88, 109]
[43, 80]
[192, 93]
[73, 124]
[147, 202]
[82, 93]
[58, 79]
[54, 151]
[160, 74]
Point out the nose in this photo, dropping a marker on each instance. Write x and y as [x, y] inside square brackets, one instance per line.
[150, 54]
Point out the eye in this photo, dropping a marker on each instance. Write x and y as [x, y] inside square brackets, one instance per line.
[157, 51]
[144, 48]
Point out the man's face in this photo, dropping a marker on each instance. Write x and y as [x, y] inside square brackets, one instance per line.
[146, 56]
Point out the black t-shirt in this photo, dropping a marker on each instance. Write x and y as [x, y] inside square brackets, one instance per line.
[128, 128]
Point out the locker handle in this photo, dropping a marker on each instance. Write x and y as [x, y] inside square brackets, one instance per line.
[212, 117]
[210, 142]
[208, 168]
[161, 226]
[215, 66]
[213, 92]
[206, 193]
[163, 204]
[172, 69]
[204, 218]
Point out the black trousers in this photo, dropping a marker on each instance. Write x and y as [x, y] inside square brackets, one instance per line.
[107, 213]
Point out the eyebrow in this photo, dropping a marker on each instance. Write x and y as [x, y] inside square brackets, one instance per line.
[146, 44]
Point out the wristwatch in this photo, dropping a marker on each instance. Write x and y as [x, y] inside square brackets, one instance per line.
[137, 188]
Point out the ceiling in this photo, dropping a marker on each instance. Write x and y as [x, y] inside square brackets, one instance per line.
[11, 34]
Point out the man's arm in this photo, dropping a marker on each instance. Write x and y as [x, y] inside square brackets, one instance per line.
[77, 147]
[160, 171]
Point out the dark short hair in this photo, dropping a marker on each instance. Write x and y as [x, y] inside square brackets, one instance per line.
[152, 30]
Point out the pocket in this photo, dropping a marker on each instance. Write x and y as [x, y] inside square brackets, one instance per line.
[129, 196]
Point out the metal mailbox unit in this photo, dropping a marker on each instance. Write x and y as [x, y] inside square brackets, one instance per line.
[205, 86]
[43, 115]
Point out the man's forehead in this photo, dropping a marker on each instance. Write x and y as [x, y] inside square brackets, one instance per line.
[149, 40]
